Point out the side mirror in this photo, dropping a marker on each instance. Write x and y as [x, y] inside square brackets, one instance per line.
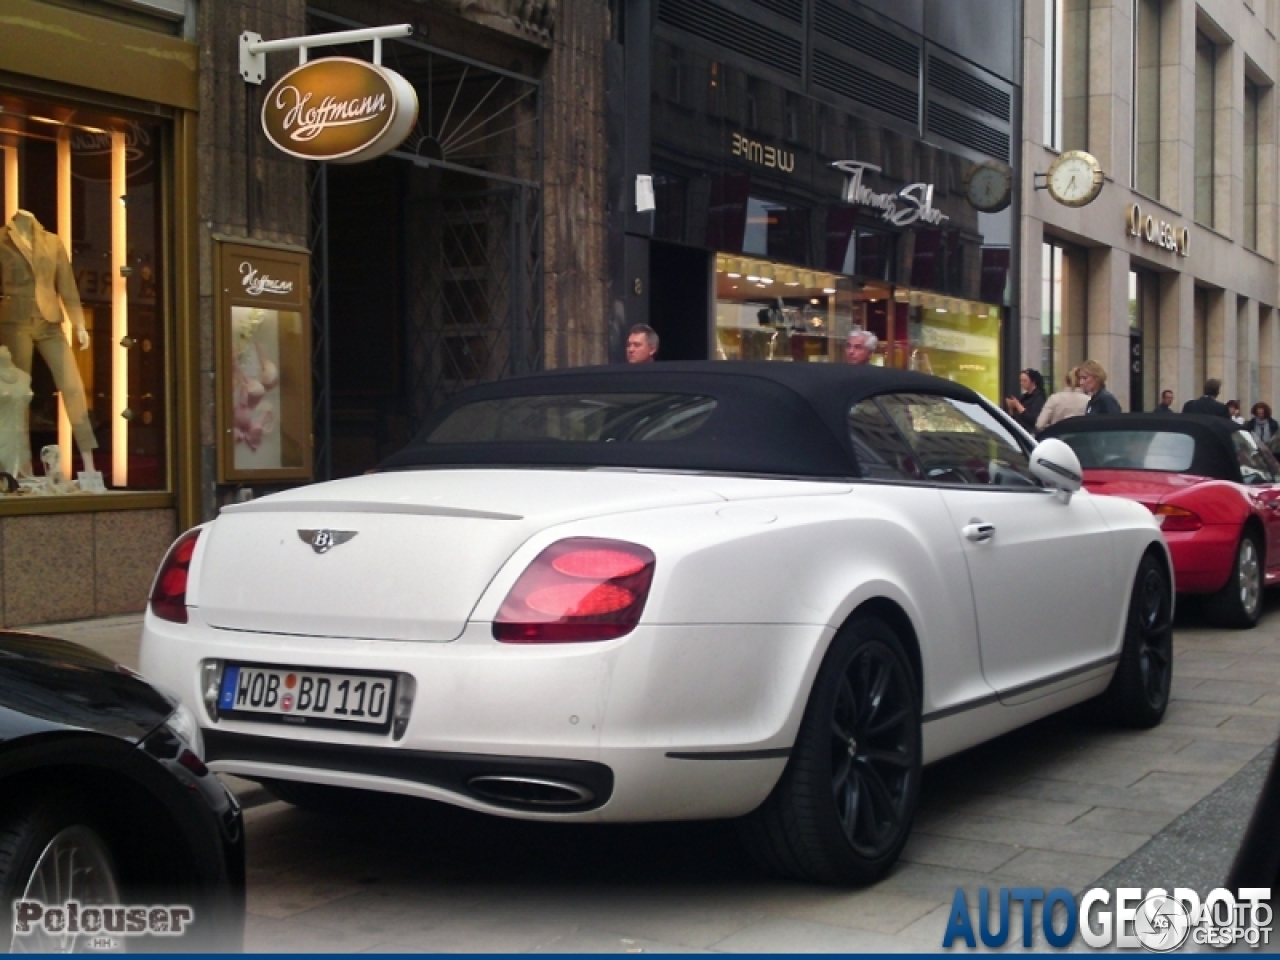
[1057, 467]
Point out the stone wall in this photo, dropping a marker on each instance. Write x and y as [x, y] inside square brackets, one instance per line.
[247, 188]
[574, 201]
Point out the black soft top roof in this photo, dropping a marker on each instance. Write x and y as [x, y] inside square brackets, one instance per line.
[788, 419]
[1215, 457]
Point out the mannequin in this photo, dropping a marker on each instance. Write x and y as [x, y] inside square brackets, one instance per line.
[38, 284]
[15, 398]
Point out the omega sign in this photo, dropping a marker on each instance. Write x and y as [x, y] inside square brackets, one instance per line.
[339, 109]
[1158, 232]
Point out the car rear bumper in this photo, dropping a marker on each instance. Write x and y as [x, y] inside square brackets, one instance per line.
[670, 722]
[1203, 559]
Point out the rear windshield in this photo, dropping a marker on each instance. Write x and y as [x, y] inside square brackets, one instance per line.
[1133, 450]
[576, 418]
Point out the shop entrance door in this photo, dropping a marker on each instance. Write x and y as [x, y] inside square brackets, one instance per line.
[427, 262]
[680, 300]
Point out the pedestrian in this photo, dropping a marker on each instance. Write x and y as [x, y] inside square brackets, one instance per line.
[1070, 401]
[860, 347]
[1208, 405]
[1233, 411]
[1166, 403]
[1026, 408]
[1262, 425]
[642, 344]
[1093, 381]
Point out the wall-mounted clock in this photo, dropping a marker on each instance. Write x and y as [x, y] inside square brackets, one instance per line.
[989, 186]
[1074, 178]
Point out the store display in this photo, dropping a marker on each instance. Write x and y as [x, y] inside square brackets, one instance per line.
[38, 286]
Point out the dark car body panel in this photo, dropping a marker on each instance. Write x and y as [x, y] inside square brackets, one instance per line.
[72, 718]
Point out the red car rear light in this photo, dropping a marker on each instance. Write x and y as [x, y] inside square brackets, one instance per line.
[1176, 519]
[169, 593]
[577, 591]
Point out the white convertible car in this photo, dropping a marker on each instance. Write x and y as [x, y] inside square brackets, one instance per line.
[671, 591]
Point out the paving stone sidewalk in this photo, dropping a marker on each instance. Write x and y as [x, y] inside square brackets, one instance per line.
[1066, 802]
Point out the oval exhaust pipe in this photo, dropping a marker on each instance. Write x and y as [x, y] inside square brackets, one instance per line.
[513, 790]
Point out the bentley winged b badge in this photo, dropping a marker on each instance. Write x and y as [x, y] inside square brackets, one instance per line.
[322, 541]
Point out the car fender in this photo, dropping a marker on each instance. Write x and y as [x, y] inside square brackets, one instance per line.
[796, 562]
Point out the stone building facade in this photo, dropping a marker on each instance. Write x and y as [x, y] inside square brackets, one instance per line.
[1169, 277]
[477, 249]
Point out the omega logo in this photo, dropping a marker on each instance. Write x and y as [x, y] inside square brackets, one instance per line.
[1159, 233]
[766, 156]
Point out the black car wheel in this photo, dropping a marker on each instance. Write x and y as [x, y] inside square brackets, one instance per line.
[53, 853]
[1139, 691]
[843, 808]
[1239, 602]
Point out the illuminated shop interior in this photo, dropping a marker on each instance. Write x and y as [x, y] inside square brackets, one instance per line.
[772, 311]
[93, 180]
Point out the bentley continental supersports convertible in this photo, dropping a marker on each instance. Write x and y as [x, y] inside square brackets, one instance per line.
[670, 591]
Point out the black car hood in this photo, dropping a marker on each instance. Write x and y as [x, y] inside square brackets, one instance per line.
[47, 685]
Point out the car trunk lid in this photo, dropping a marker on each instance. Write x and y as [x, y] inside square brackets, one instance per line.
[1145, 486]
[406, 555]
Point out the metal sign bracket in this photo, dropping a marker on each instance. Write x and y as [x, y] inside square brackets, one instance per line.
[254, 50]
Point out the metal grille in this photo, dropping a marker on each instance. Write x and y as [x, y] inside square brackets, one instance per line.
[970, 89]
[471, 232]
[704, 19]
[965, 130]
[848, 80]
[474, 312]
[864, 36]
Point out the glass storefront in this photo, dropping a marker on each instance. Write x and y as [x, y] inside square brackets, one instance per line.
[82, 304]
[772, 311]
[822, 221]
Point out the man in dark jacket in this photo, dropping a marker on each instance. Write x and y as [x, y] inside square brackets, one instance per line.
[1209, 405]
[1166, 403]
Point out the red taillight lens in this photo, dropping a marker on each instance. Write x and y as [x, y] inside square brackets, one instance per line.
[1176, 519]
[169, 593]
[577, 591]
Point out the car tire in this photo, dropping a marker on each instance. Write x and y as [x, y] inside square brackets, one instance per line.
[38, 843]
[842, 810]
[1139, 692]
[316, 797]
[1239, 603]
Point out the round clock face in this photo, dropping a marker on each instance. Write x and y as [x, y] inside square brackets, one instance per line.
[1075, 178]
[990, 187]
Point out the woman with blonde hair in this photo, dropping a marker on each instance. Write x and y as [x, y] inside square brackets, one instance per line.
[1093, 381]
[1068, 402]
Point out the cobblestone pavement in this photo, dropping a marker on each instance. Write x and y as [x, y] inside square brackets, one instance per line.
[1065, 802]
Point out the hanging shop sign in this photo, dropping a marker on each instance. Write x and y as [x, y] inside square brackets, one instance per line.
[339, 109]
[912, 204]
[1159, 233]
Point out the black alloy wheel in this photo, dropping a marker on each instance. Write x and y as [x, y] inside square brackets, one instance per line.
[871, 750]
[843, 808]
[1139, 692]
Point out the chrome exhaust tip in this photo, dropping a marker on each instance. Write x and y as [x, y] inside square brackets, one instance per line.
[517, 791]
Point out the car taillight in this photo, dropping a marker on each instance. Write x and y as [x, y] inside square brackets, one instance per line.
[1176, 519]
[169, 592]
[577, 591]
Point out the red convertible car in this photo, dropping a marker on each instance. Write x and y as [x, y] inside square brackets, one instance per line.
[1212, 486]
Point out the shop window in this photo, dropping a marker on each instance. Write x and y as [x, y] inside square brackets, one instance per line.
[1148, 16]
[83, 406]
[1252, 100]
[1206, 70]
[1066, 77]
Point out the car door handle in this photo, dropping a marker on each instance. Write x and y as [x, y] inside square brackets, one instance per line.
[979, 532]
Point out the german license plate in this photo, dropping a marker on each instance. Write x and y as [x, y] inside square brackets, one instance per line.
[302, 696]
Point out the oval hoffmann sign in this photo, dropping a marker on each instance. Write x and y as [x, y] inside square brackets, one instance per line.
[339, 109]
